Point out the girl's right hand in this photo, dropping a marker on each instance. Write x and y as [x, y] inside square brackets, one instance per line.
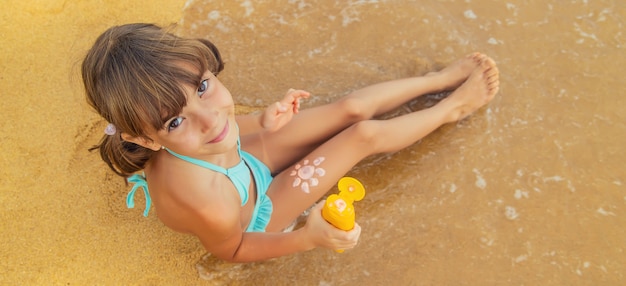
[281, 112]
[324, 234]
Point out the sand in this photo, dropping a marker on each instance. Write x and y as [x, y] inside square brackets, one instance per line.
[57, 228]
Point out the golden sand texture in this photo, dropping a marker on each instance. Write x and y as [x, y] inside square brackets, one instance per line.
[57, 226]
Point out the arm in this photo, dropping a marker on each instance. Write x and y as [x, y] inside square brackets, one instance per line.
[316, 233]
[249, 123]
[234, 245]
[275, 116]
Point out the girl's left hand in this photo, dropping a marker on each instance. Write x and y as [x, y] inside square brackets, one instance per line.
[281, 112]
[321, 233]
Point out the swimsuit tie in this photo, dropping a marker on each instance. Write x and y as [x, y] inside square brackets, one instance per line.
[139, 181]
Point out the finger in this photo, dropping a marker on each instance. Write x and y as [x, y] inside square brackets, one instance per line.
[297, 93]
[290, 94]
[280, 107]
[319, 205]
[354, 236]
[296, 106]
[289, 99]
[302, 94]
[356, 231]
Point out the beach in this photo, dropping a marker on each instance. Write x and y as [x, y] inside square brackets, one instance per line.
[530, 190]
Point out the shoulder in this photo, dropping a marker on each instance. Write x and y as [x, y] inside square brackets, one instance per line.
[198, 201]
[210, 211]
[186, 195]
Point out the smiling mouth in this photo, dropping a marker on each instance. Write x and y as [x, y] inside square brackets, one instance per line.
[222, 134]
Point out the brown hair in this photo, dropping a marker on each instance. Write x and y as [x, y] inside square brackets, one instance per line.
[134, 76]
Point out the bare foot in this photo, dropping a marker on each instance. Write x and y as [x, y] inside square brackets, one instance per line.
[480, 88]
[456, 73]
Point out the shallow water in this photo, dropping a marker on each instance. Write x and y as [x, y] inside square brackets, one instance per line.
[529, 190]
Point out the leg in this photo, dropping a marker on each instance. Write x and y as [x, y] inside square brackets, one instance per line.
[386, 96]
[323, 167]
[313, 126]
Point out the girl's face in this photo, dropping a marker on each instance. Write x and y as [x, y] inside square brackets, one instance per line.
[206, 126]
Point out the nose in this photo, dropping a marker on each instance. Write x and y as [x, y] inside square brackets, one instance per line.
[206, 118]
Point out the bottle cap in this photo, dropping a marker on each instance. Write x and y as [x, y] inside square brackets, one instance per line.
[350, 188]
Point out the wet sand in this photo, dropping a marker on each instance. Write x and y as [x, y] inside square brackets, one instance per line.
[529, 190]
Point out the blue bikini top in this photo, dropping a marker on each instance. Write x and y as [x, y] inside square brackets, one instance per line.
[238, 174]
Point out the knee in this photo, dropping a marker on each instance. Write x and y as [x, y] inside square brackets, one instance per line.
[366, 133]
[353, 108]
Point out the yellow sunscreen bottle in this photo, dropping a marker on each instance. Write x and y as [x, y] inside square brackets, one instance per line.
[338, 209]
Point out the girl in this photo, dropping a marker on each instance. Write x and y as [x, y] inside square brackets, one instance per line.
[236, 182]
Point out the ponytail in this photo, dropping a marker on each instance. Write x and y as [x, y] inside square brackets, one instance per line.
[123, 157]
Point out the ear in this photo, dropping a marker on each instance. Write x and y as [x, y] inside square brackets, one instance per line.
[141, 141]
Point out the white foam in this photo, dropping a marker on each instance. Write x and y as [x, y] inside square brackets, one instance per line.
[521, 258]
[510, 213]
[348, 16]
[605, 212]
[469, 14]
[452, 188]
[213, 15]
[520, 194]
[248, 6]
[487, 241]
[518, 121]
[187, 4]
[510, 6]
[553, 179]
[480, 181]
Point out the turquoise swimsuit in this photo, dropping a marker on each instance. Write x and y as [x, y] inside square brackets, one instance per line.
[239, 175]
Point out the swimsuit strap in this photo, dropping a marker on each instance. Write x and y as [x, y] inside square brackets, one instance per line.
[200, 163]
[239, 174]
[206, 164]
[139, 181]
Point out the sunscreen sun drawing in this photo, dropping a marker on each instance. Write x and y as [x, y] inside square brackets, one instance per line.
[305, 174]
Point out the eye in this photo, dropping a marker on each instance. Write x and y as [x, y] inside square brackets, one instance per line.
[174, 123]
[204, 85]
